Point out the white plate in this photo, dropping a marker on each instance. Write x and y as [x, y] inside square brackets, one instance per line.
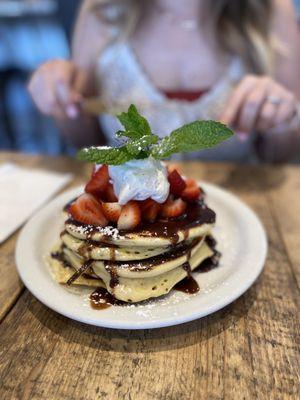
[241, 240]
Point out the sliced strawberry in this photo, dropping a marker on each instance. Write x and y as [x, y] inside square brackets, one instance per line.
[192, 191]
[150, 210]
[109, 194]
[130, 216]
[98, 182]
[88, 210]
[173, 208]
[112, 211]
[174, 166]
[177, 183]
[191, 182]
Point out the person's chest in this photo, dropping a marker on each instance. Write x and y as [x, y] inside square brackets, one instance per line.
[173, 59]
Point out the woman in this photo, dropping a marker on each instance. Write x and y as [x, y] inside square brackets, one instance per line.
[180, 61]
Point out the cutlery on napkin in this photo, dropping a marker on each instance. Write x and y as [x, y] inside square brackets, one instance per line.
[22, 192]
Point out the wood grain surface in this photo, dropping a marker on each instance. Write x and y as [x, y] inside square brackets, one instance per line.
[248, 350]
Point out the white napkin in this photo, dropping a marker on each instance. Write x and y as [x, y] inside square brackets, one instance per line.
[23, 191]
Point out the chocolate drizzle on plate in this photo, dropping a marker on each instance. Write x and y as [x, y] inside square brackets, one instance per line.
[101, 299]
[188, 285]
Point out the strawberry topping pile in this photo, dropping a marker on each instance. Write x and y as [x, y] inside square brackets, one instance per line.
[99, 205]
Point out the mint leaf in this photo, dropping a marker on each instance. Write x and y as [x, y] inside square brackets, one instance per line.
[134, 123]
[137, 146]
[105, 155]
[129, 134]
[191, 137]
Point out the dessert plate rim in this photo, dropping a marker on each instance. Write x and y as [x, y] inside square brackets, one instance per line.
[38, 280]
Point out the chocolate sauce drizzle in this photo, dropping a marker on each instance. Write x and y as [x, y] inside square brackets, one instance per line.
[111, 267]
[177, 251]
[212, 262]
[59, 255]
[101, 299]
[79, 272]
[196, 214]
[189, 284]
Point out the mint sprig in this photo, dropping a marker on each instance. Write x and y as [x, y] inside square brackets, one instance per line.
[135, 125]
[142, 143]
[195, 136]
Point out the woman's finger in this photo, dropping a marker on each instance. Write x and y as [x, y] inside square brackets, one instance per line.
[66, 95]
[62, 91]
[236, 100]
[285, 110]
[266, 116]
[67, 99]
[249, 112]
[49, 103]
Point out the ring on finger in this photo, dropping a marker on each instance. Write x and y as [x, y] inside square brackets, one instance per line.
[275, 100]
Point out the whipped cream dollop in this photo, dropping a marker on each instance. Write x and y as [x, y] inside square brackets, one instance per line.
[139, 180]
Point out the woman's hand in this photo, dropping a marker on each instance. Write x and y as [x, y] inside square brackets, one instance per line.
[259, 103]
[57, 87]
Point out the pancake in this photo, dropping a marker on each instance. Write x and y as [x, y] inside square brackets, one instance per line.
[135, 290]
[139, 264]
[139, 269]
[198, 220]
[100, 251]
[142, 286]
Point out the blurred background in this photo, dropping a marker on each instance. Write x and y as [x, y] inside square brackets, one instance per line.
[31, 32]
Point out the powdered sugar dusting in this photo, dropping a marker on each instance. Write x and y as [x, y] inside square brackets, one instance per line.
[109, 231]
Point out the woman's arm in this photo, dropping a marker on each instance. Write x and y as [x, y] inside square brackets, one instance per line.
[58, 86]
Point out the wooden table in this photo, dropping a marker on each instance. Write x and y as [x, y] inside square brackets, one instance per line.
[249, 350]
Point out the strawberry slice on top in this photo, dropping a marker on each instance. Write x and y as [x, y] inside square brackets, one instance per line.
[98, 182]
[172, 166]
[112, 211]
[130, 216]
[150, 210]
[177, 183]
[109, 194]
[173, 208]
[192, 191]
[87, 209]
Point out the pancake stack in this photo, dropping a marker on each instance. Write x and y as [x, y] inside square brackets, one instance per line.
[135, 265]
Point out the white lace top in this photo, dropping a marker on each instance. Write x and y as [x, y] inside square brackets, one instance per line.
[123, 81]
